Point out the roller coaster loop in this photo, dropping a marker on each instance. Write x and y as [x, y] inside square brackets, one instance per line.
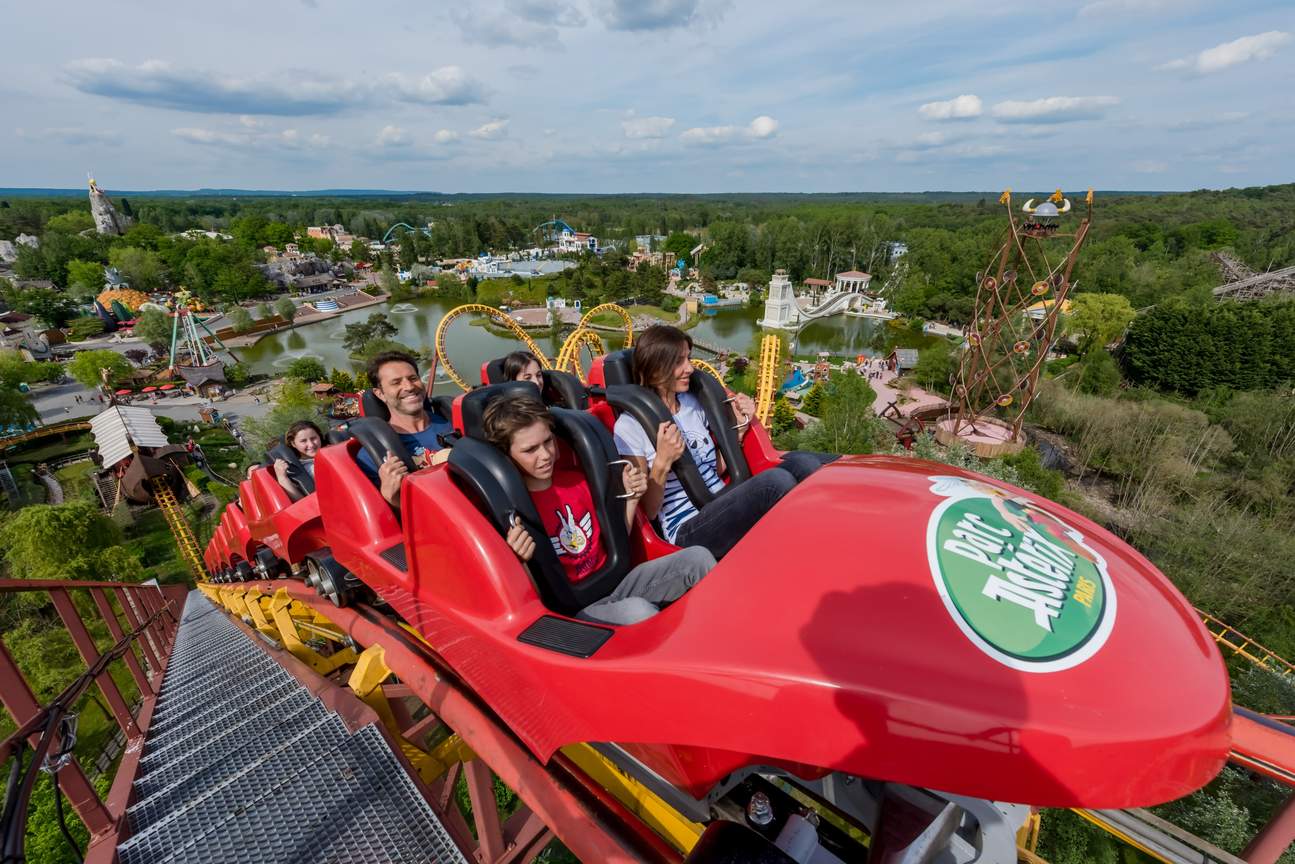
[568, 359]
[495, 314]
[587, 320]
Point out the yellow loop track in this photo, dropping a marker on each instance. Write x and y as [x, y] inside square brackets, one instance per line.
[496, 315]
[587, 319]
[770, 352]
[569, 357]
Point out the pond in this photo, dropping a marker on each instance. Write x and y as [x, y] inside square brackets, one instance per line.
[469, 346]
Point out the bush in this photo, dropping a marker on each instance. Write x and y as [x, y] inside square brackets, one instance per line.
[934, 366]
[306, 369]
[1098, 374]
[85, 327]
[240, 319]
[237, 375]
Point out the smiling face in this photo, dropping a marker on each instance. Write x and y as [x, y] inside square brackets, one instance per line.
[681, 375]
[400, 388]
[535, 451]
[306, 442]
[532, 374]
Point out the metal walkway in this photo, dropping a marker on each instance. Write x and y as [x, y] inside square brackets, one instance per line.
[243, 764]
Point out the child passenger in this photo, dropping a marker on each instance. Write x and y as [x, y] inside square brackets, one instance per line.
[305, 438]
[523, 366]
[523, 429]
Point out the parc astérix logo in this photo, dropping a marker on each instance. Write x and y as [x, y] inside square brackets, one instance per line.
[1019, 582]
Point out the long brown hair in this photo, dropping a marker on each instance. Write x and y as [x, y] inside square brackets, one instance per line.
[656, 352]
[300, 426]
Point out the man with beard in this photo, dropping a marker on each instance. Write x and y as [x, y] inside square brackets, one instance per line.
[394, 378]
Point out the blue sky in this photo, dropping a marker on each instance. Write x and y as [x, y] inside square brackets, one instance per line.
[649, 95]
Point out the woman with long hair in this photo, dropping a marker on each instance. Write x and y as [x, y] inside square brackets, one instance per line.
[305, 439]
[523, 366]
[662, 365]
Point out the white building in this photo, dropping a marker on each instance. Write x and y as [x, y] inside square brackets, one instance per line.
[780, 309]
[853, 281]
[577, 241]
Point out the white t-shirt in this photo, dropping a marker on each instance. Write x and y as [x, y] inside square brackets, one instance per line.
[631, 440]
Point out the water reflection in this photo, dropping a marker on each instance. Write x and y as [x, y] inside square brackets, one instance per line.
[470, 346]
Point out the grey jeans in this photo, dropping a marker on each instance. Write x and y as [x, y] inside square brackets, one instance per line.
[658, 581]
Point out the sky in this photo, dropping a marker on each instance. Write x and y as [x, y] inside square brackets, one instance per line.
[606, 96]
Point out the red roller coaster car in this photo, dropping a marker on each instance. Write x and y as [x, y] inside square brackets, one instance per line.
[889, 619]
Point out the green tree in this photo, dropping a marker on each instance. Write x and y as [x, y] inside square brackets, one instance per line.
[143, 269]
[360, 251]
[263, 311]
[240, 319]
[53, 308]
[16, 409]
[85, 327]
[408, 250]
[293, 401]
[72, 222]
[306, 369]
[376, 327]
[86, 368]
[155, 327]
[1098, 319]
[237, 375]
[389, 282]
[812, 404]
[1098, 373]
[86, 276]
[285, 309]
[57, 541]
[934, 366]
[679, 245]
[783, 418]
[343, 381]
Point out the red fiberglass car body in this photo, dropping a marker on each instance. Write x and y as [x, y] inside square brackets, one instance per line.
[889, 618]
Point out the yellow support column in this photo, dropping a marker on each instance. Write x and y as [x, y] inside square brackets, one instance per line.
[292, 642]
[366, 682]
[180, 530]
[252, 599]
[770, 353]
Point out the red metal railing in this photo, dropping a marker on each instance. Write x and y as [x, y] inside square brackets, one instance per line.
[151, 615]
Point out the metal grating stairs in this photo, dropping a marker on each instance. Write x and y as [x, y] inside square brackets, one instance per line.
[243, 764]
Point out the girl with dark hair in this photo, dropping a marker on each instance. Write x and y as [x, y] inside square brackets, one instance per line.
[523, 366]
[305, 438]
[662, 365]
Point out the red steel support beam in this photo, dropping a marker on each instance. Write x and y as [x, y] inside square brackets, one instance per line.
[114, 629]
[90, 654]
[1275, 837]
[145, 643]
[485, 811]
[23, 707]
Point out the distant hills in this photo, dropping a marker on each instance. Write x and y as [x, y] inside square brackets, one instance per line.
[932, 197]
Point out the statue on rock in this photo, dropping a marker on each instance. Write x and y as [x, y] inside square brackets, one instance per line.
[106, 218]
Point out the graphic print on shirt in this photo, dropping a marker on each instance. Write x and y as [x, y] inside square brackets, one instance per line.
[573, 536]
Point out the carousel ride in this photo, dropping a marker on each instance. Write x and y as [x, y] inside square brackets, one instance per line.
[957, 650]
[1020, 298]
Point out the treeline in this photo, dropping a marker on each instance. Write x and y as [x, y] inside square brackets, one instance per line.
[1146, 248]
[1188, 348]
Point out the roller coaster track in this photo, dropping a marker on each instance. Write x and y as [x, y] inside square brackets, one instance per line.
[42, 431]
[180, 530]
[1245, 284]
[494, 314]
[587, 320]
[770, 354]
[568, 359]
[1243, 646]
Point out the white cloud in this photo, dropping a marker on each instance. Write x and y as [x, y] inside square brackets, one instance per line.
[1234, 53]
[157, 84]
[959, 108]
[1053, 109]
[1192, 124]
[449, 85]
[761, 127]
[543, 11]
[445, 136]
[647, 127]
[393, 136]
[258, 138]
[212, 136]
[491, 130]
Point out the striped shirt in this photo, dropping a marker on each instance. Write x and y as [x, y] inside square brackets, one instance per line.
[676, 507]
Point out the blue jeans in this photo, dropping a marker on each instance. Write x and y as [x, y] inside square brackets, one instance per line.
[721, 523]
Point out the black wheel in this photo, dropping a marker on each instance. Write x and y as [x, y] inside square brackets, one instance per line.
[269, 565]
[243, 572]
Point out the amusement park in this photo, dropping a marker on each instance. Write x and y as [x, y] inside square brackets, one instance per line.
[565, 593]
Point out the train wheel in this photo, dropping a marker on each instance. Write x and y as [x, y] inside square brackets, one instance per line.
[269, 565]
[243, 572]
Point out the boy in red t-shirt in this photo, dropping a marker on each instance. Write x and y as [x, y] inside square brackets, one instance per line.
[523, 428]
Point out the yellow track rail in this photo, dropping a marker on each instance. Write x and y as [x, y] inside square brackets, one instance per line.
[587, 320]
[707, 368]
[770, 353]
[498, 316]
[569, 357]
[1243, 646]
[184, 539]
[42, 431]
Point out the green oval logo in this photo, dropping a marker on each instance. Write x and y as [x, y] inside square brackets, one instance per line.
[1019, 582]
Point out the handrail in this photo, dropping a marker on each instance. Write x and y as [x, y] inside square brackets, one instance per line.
[150, 622]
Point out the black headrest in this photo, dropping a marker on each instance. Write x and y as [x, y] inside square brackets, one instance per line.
[378, 439]
[297, 472]
[472, 405]
[618, 367]
[338, 434]
[489, 478]
[647, 408]
[371, 405]
[560, 388]
[714, 401]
